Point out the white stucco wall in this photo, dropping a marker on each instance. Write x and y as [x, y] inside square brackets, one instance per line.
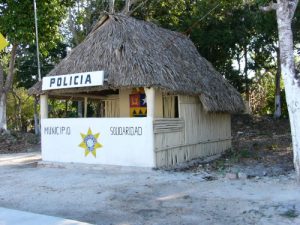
[124, 141]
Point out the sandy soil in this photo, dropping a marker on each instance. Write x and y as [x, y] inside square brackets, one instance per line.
[118, 195]
[195, 193]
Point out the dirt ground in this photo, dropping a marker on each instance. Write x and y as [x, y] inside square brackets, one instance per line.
[16, 142]
[252, 184]
[118, 195]
[261, 145]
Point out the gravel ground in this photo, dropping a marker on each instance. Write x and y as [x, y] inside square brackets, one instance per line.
[119, 195]
[252, 184]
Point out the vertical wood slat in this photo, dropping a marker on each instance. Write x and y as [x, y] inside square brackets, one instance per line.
[202, 134]
[112, 108]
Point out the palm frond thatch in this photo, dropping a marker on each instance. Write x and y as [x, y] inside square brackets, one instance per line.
[135, 53]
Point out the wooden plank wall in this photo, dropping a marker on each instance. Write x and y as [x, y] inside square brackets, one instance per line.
[195, 134]
[112, 108]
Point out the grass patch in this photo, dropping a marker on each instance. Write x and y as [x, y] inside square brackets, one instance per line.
[231, 157]
[273, 147]
[291, 213]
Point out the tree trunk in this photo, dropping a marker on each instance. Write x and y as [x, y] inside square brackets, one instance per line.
[3, 125]
[277, 111]
[246, 74]
[6, 86]
[111, 6]
[2, 102]
[17, 111]
[36, 116]
[285, 12]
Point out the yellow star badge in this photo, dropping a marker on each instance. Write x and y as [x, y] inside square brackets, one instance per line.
[90, 143]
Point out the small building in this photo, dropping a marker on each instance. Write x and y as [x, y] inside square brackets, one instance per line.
[159, 102]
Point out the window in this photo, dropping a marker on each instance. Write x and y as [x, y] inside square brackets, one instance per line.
[103, 108]
[170, 106]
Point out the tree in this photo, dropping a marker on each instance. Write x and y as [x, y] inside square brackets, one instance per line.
[278, 103]
[86, 13]
[234, 33]
[17, 24]
[26, 62]
[285, 10]
[5, 85]
[19, 110]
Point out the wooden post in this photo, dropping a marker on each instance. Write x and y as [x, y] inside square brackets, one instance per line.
[79, 109]
[85, 106]
[150, 97]
[150, 94]
[44, 106]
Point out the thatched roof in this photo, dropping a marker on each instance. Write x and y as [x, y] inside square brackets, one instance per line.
[135, 53]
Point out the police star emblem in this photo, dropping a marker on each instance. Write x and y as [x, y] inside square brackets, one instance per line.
[89, 142]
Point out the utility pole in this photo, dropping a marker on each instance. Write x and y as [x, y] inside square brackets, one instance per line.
[36, 117]
[37, 41]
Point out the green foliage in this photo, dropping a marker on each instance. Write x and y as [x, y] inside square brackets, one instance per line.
[235, 155]
[262, 95]
[84, 15]
[17, 21]
[20, 110]
[223, 31]
[226, 32]
[26, 62]
[62, 108]
[17, 24]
